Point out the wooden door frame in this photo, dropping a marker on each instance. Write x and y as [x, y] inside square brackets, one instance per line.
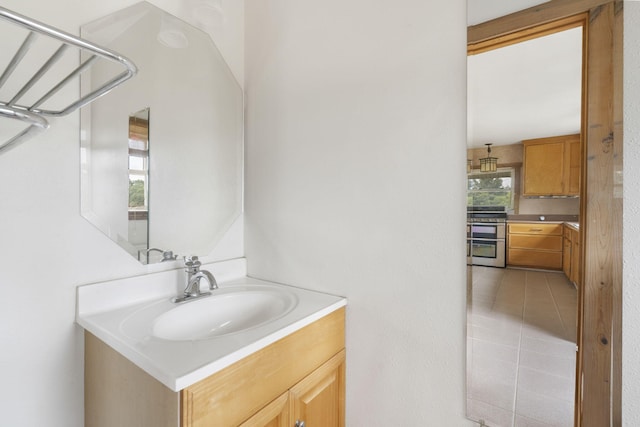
[599, 357]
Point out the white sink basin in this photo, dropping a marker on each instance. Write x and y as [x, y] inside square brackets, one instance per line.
[226, 311]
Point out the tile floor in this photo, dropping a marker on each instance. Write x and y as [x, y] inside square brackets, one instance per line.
[521, 328]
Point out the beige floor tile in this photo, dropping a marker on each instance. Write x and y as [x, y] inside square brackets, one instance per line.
[504, 337]
[523, 328]
[559, 366]
[489, 414]
[544, 383]
[552, 345]
[528, 422]
[553, 412]
[490, 350]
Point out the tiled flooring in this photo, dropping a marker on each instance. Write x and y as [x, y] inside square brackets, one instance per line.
[521, 328]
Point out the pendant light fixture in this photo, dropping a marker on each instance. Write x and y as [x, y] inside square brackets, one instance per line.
[489, 164]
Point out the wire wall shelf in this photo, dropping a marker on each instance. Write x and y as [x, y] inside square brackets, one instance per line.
[39, 74]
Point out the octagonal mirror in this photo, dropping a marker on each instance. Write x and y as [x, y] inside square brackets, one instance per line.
[162, 156]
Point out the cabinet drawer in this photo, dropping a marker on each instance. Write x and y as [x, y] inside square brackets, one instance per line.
[536, 228]
[547, 243]
[535, 259]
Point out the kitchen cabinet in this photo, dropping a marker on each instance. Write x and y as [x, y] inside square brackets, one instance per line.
[551, 166]
[571, 254]
[566, 252]
[535, 245]
[576, 271]
[299, 377]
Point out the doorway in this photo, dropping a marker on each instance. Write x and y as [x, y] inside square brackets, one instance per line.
[598, 395]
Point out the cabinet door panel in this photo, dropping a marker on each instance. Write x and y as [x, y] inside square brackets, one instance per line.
[544, 172]
[566, 258]
[552, 166]
[318, 400]
[575, 158]
[275, 414]
[535, 259]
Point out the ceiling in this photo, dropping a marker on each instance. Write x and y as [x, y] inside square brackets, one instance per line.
[523, 91]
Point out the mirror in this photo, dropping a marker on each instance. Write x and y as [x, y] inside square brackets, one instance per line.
[162, 156]
[521, 323]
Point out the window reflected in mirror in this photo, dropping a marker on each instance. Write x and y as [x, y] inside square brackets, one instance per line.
[139, 182]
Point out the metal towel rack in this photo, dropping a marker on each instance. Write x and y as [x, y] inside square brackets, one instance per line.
[31, 114]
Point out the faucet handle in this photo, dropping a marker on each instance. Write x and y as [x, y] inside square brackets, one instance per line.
[191, 260]
[192, 263]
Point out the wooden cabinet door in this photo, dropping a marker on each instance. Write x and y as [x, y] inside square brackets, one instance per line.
[552, 166]
[275, 414]
[566, 258]
[574, 158]
[318, 400]
[543, 169]
[575, 258]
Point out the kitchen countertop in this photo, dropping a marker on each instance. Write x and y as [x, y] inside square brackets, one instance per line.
[103, 307]
[547, 218]
[574, 225]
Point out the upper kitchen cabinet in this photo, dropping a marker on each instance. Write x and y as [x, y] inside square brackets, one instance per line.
[552, 166]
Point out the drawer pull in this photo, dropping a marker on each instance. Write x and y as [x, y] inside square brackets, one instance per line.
[300, 423]
[536, 229]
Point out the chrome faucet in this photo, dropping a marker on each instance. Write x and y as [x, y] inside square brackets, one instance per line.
[194, 275]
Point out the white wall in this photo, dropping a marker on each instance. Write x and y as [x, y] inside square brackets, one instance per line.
[346, 203]
[631, 225]
[355, 184]
[47, 248]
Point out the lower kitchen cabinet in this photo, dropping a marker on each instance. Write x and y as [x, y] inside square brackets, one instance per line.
[566, 252]
[300, 377]
[575, 276]
[535, 245]
[571, 256]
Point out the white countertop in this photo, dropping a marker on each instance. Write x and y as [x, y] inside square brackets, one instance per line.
[179, 364]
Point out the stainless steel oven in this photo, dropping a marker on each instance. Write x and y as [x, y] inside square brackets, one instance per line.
[486, 236]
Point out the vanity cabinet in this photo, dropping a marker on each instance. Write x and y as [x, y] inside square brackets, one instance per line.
[535, 245]
[551, 166]
[300, 377]
[318, 400]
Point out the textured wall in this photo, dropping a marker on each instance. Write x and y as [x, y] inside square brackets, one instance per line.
[355, 148]
[631, 237]
[47, 248]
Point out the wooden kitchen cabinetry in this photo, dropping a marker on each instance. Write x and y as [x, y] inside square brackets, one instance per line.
[535, 245]
[571, 254]
[551, 166]
[300, 377]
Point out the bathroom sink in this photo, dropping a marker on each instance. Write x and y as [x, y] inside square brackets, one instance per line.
[227, 311]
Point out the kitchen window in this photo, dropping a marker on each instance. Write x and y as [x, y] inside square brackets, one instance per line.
[491, 188]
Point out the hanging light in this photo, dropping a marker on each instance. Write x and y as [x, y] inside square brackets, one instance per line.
[489, 164]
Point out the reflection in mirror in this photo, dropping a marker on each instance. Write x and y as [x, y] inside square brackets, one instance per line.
[139, 181]
[521, 323]
[171, 186]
